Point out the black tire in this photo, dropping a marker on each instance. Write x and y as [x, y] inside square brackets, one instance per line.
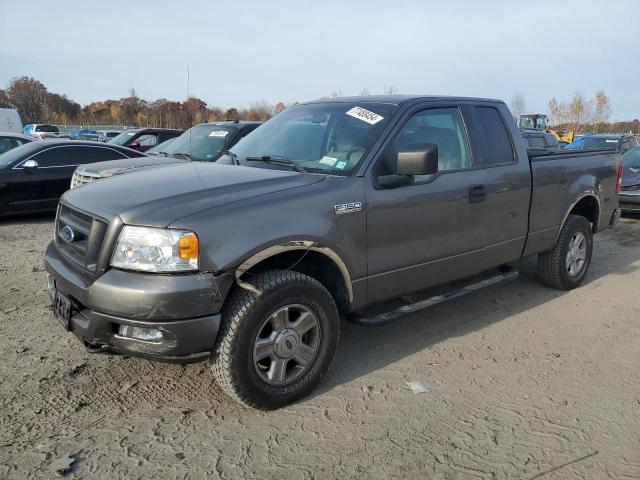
[243, 317]
[552, 268]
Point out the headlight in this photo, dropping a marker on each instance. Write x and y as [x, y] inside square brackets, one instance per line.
[158, 250]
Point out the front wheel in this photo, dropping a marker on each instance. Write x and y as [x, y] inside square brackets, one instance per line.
[565, 265]
[273, 348]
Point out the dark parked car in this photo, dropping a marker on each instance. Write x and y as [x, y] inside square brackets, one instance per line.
[354, 207]
[143, 139]
[9, 141]
[202, 143]
[630, 190]
[539, 139]
[605, 141]
[34, 175]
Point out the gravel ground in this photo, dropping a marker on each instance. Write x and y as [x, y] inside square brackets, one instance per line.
[523, 382]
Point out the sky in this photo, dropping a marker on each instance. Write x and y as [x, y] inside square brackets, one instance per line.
[247, 51]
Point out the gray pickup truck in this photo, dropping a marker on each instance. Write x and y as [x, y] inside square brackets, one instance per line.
[360, 208]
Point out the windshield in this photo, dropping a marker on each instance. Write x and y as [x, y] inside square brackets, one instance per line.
[599, 143]
[631, 159]
[537, 122]
[161, 147]
[17, 153]
[202, 142]
[326, 137]
[123, 138]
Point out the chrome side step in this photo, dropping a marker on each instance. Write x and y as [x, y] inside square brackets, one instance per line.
[407, 309]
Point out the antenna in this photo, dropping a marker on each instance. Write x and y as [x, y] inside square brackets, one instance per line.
[190, 120]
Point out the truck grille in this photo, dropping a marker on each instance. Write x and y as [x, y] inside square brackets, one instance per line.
[80, 178]
[629, 188]
[79, 236]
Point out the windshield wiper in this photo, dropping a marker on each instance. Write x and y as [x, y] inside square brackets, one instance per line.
[278, 161]
[234, 157]
[185, 155]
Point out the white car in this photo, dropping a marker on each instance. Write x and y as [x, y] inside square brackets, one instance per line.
[41, 131]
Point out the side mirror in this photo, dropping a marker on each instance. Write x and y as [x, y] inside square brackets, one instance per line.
[135, 144]
[418, 159]
[30, 166]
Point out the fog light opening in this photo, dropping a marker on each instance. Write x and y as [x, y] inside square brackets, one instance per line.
[140, 333]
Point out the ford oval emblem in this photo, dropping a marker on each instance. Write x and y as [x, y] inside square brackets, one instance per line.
[68, 234]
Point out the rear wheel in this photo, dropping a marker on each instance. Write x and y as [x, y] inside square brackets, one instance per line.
[273, 348]
[566, 264]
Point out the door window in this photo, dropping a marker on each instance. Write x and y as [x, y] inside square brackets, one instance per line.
[442, 126]
[62, 157]
[99, 154]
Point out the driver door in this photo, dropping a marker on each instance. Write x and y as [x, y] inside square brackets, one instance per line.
[433, 230]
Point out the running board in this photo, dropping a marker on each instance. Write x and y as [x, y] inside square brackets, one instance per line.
[407, 309]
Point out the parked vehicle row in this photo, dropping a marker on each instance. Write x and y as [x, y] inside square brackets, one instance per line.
[364, 208]
[202, 143]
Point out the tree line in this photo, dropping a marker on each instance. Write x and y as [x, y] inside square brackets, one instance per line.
[579, 113]
[36, 104]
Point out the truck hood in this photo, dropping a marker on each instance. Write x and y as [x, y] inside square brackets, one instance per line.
[160, 196]
[630, 176]
[127, 165]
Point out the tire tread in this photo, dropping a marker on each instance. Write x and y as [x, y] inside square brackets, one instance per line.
[237, 308]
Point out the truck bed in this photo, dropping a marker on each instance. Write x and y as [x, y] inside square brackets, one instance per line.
[584, 173]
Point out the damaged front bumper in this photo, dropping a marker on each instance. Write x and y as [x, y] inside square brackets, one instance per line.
[171, 318]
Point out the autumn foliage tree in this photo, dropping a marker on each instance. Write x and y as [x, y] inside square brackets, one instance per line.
[37, 105]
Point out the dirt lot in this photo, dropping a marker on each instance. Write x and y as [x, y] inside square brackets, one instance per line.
[524, 382]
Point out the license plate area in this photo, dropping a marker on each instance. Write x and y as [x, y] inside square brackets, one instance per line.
[62, 309]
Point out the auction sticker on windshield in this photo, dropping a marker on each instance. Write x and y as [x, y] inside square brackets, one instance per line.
[218, 133]
[365, 115]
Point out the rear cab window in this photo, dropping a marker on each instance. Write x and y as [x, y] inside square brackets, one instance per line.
[497, 148]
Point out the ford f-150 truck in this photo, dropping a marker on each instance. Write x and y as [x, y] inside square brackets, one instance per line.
[360, 208]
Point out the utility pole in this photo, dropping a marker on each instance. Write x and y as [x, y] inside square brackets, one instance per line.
[188, 81]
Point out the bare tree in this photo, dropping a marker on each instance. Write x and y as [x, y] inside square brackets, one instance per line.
[556, 112]
[336, 93]
[518, 105]
[364, 92]
[602, 109]
[390, 90]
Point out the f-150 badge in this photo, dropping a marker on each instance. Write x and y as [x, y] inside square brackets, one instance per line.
[348, 208]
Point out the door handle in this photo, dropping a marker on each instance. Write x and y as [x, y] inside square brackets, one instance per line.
[477, 193]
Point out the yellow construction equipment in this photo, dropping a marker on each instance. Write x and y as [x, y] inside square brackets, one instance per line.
[538, 121]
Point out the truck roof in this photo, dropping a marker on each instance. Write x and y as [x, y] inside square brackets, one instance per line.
[398, 99]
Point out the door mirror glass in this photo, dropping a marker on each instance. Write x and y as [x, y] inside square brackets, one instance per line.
[417, 159]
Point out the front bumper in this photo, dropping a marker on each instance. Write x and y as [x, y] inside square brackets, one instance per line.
[183, 308]
[629, 201]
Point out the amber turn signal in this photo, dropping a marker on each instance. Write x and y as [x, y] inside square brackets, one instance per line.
[188, 247]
